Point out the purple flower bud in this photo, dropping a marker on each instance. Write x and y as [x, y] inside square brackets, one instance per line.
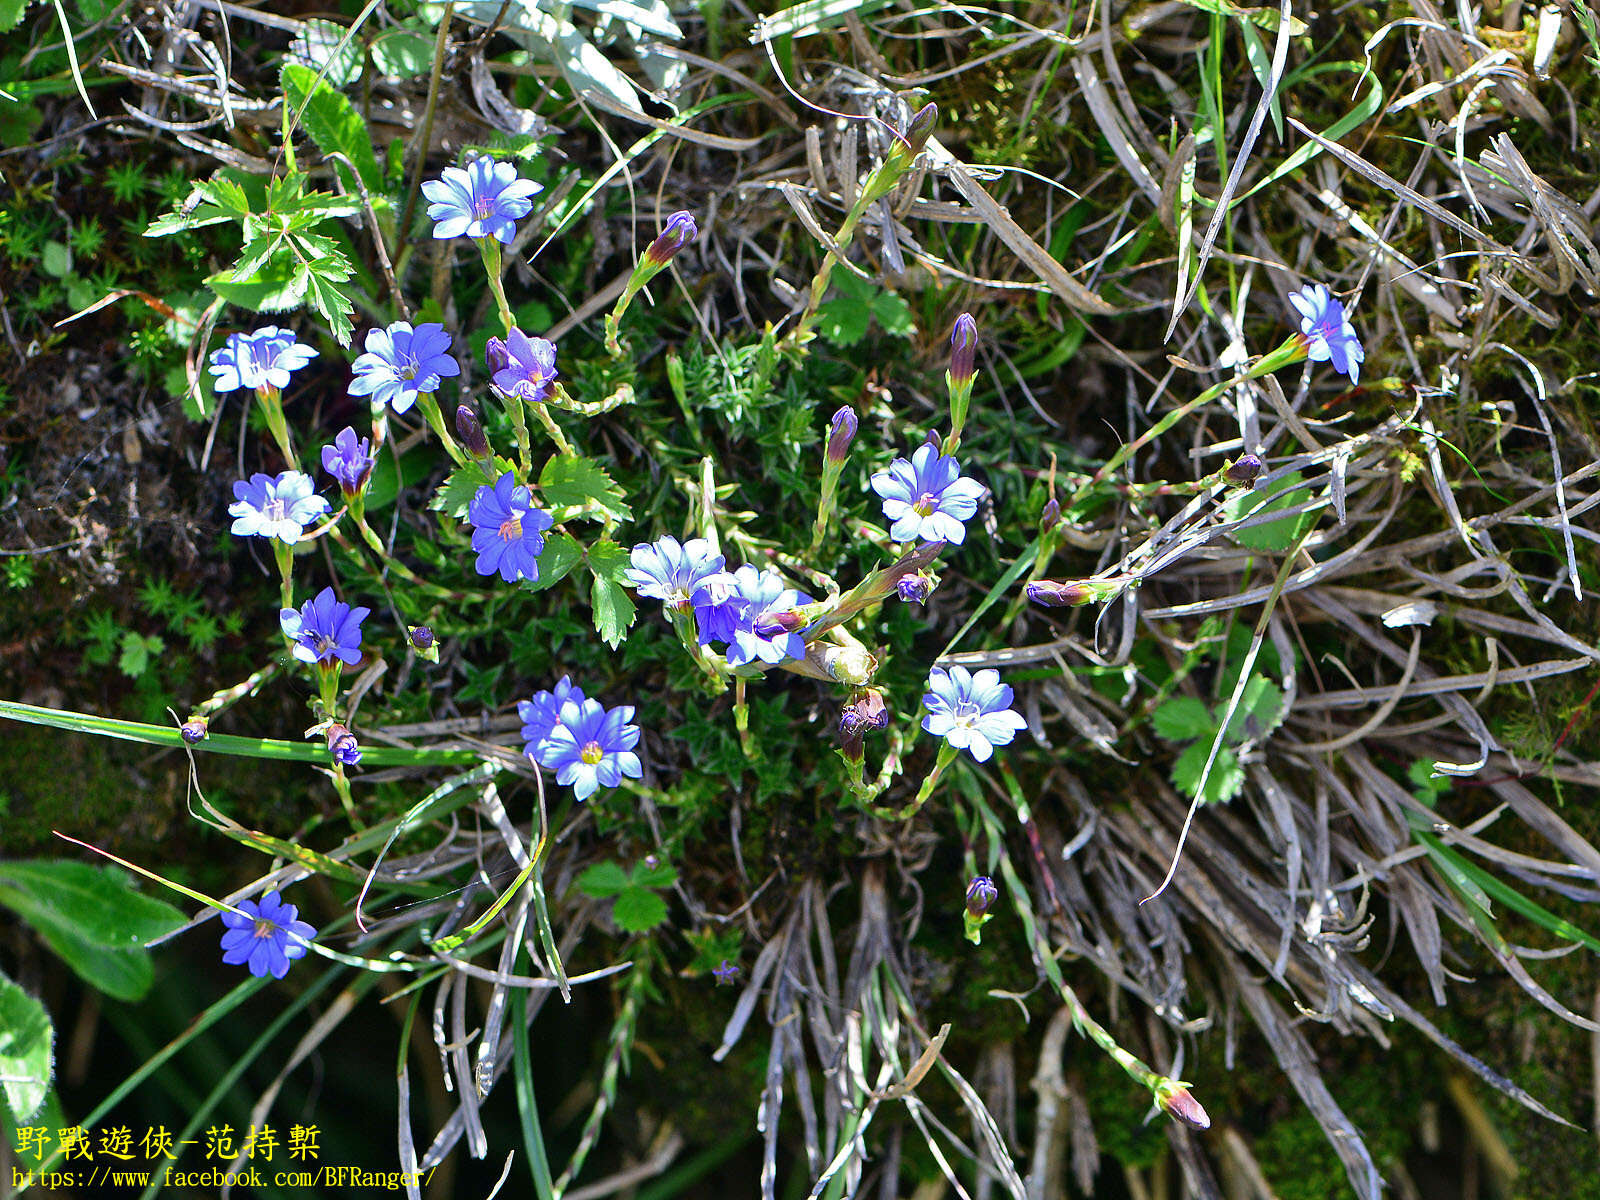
[981, 893]
[1055, 593]
[786, 621]
[421, 637]
[921, 127]
[677, 233]
[496, 355]
[1176, 1101]
[342, 745]
[194, 730]
[1049, 516]
[916, 587]
[841, 431]
[865, 713]
[1244, 470]
[963, 349]
[470, 431]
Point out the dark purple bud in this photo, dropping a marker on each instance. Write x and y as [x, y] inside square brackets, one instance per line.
[194, 730]
[921, 127]
[963, 350]
[1176, 1101]
[841, 431]
[792, 621]
[864, 713]
[981, 893]
[1244, 470]
[725, 974]
[342, 745]
[1049, 516]
[421, 636]
[496, 355]
[677, 233]
[1055, 593]
[470, 431]
[916, 587]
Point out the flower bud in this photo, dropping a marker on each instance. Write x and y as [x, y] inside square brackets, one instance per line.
[470, 431]
[677, 233]
[981, 893]
[916, 587]
[1244, 470]
[865, 713]
[1175, 1100]
[1054, 593]
[921, 126]
[342, 745]
[1049, 516]
[421, 637]
[496, 356]
[194, 730]
[841, 431]
[791, 621]
[963, 349]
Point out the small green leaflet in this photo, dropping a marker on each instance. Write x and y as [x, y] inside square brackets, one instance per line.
[334, 125]
[561, 553]
[637, 908]
[569, 481]
[614, 609]
[461, 485]
[26, 1038]
[844, 319]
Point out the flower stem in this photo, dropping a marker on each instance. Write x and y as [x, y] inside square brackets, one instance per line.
[741, 718]
[284, 554]
[489, 249]
[947, 755]
[429, 407]
[550, 427]
[271, 401]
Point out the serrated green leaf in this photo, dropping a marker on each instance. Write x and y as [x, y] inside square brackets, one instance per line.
[603, 879]
[1225, 781]
[334, 125]
[614, 610]
[136, 652]
[661, 875]
[1273, 535]
[1259, 712]
[843, 321]
[26, 1038]
[277, 287]
[1181, 718]
[402, 53]
[328, 299]
[11, 14]
[638, 911]
[571, 481]
[98, 904]
[609, 560]
[461, 485]
[893, 313]
[561, 553]
[323, 46]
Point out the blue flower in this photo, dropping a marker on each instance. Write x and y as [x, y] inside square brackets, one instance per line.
[278, 506]
[483, 200]
[522, 366]
[268, 938]
[768, 628]
[677, 233]
[539, 715]
[324, 629]
[342, 745]
[400, 362]
[719, 607]
[672, 573]
[1329, 336]
[349, 460]
[507, 531]
[970, 712]
[927, 498]
[591, 747]
[263, 359]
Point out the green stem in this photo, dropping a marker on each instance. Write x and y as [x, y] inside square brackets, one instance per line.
[947, 755]
[489, 250]
[271, 401]
[429, 408]
[550, 427]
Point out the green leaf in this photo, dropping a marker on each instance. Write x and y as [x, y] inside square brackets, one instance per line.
[137, 650]
[11, 13]
[18, 121]
[277, 287]
[638, 910]
[844, 320]
[614, 610]
[661, 875]
[461, 485]
[561, 553]
[609, 560]
[402, 54]
[322, 46]
[25, 1044]
[570, 481]
[1273, 535]
[893, 313]
[1181, 718]
[1259, 712]
[56, 260]
[121, 974]
[1225, 781]
[324, 294]
[98, 904]
[334, 125]
[603, 879]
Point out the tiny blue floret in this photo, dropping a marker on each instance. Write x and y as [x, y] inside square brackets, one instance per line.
[971, 712]
[275, 506]
[927, 497]
[507, 531]
[268, 938]
[484, 199]
[400, 362]
[324, 629]
[591, 747]
[1329, 335]
[674, 573]
[539, 715]
[263, 359]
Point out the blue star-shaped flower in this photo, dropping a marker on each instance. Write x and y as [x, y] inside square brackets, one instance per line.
[275, 506]
[539, 715]
[768, 628]
[265, 358]
[485, 199]
[591, 747]
[674, 573]
[324, 629]
[927, 497]
[266, 940]
[970, 712]
[507, 531]
[522, 366]
[400, 362]
[1329, 336]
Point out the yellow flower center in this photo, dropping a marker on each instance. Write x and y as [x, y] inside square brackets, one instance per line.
[591, 753]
